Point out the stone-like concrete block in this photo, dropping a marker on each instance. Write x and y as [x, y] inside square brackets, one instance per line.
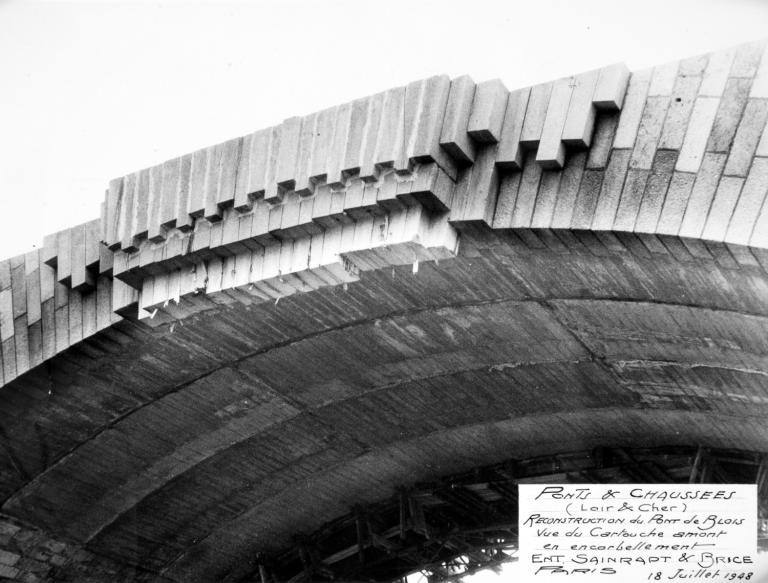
[611, 87]
[750, 203]
[728, 115]
[198, 170]
[679, 192]
[288, 151]
[663, 79]
[693, 66]
[568, 190]
[604, 133]
[721, 210]
[632, 111]
[505, 204]
[155, 232]
[586, 200]
[551, 150]
[760, 82]
[546, 199]
[112, 212]
[184, 220]
[64, 256]
[716, 74]
[655, 191]
[631, 197]
[454, 138]
[762, 147]
[389, 144]
[423, 142]
[526, 194]
[335, 160]
[701, 196]
[649, 132]
[680, 108]
[580, 119]
[302, 184]
[32, 285]
[273, 193]
[487, 113]
[697, 134]
[354, 142]
[747, 59]
[747, 137]
[373, 118]
[535, 114]
[509, 155]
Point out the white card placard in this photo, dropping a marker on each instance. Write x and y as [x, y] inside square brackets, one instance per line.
[638, 532]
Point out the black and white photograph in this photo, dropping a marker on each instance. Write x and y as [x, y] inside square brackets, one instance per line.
[408, 291]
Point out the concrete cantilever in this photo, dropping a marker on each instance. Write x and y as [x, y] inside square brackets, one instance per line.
[437, 277]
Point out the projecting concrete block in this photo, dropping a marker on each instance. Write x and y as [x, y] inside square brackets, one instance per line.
[354, 142]
[82, 277]
[535, 113]
[389, 144]
[155, 232]
[256, 166]
[487, 114]
[368, 169]
[423, 133]
[32, 285]
[611, 87]
[335, 161]
[454, 138]
[509, 155]
[184, 221]
[198, 171]
[112, 212]
[64, 256]
[580, 119]
[551, 150]
[273, 194]
[302, 184]
[127, 214]
[632, 111]
[288, 151]
[325, 126]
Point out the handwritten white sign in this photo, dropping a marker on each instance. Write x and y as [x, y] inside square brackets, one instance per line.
[638, 532]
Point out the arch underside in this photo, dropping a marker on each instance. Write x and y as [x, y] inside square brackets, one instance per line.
[196, 449]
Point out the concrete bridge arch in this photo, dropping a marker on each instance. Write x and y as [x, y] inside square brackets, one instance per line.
[322, 349]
